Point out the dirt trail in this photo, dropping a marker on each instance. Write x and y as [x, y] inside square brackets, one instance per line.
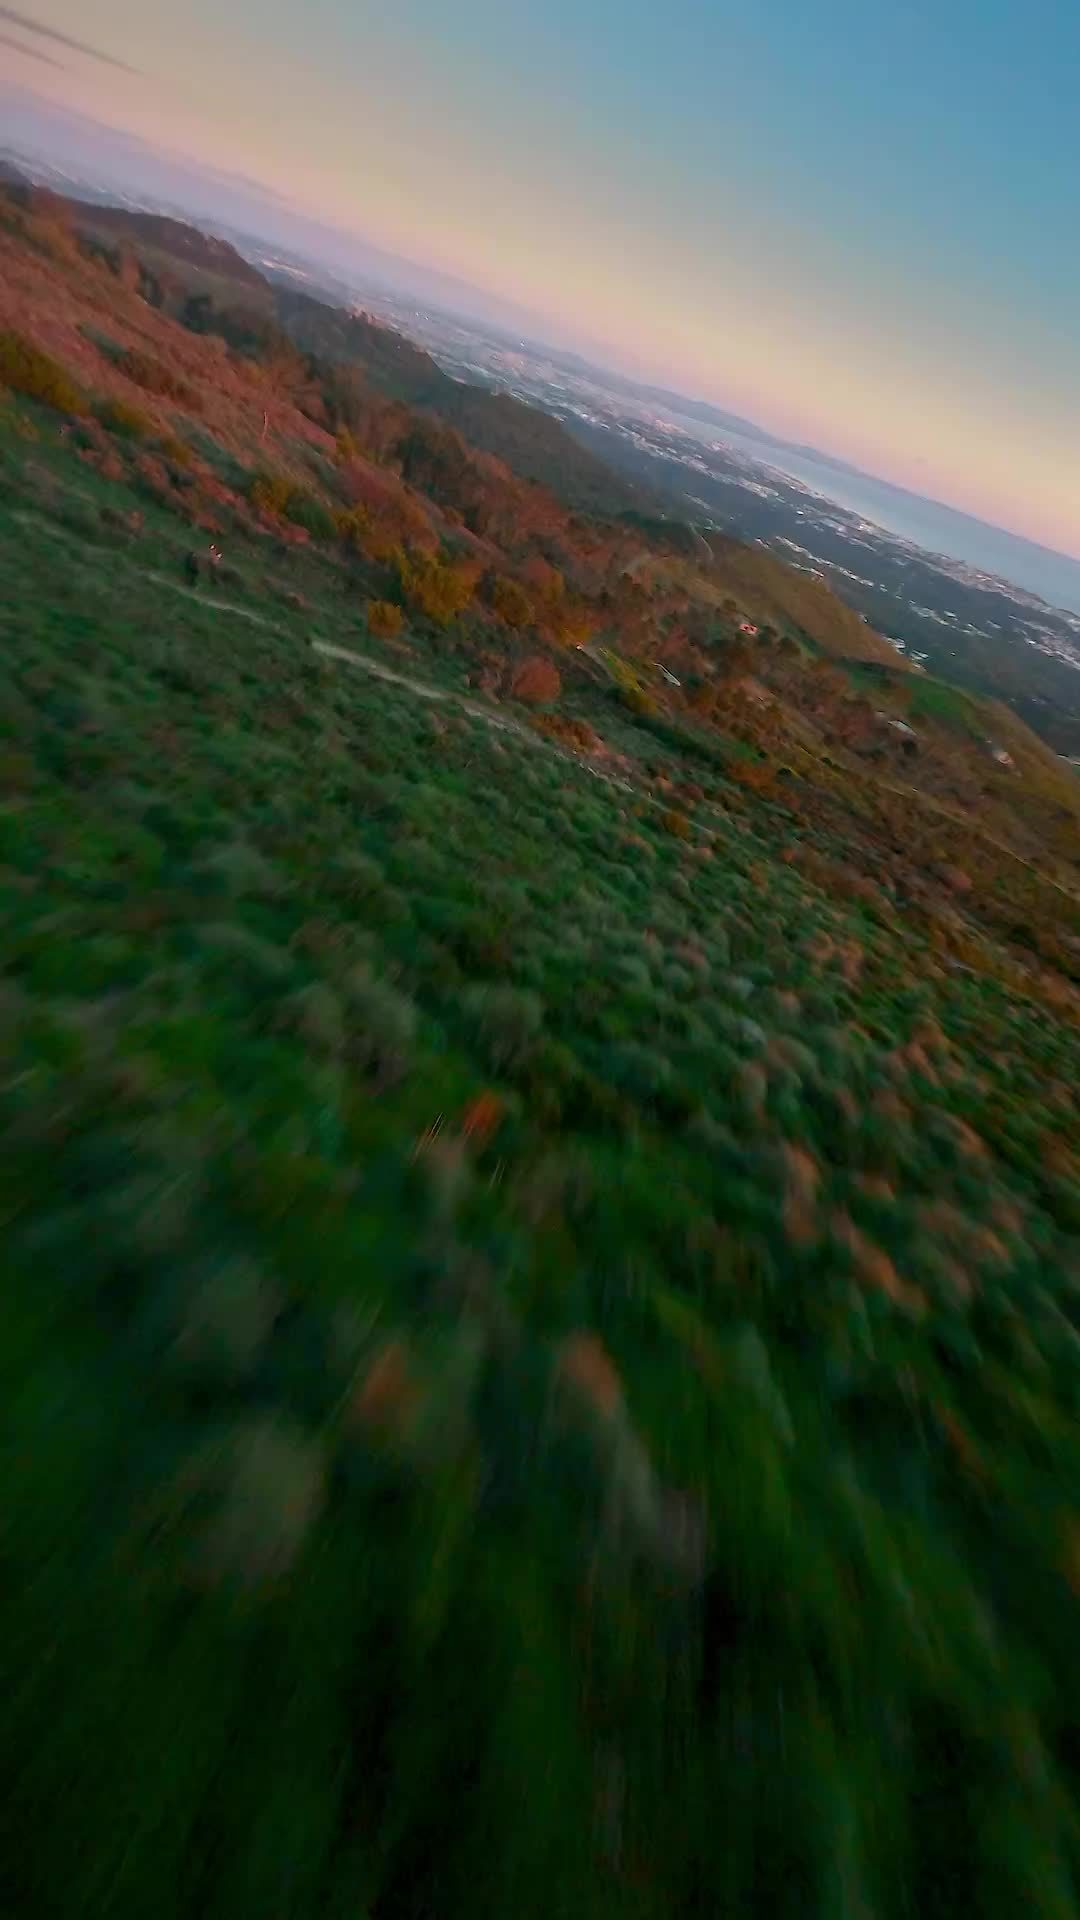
[423, 688]
[500, 722]
[204, 600]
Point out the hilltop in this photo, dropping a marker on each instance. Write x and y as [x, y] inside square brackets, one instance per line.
[183, 266]
[158, 236]
[541, 1213]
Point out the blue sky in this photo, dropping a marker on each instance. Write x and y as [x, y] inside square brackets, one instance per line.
[859, 223]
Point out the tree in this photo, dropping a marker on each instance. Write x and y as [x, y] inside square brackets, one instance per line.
[271, 493]
[26, 369]
[131, 423]
[508, 600]
[536, 681]
[435, 587]
[384, 620]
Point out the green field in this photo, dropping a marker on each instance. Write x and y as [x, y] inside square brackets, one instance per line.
[541, 1203]
[534, 1383]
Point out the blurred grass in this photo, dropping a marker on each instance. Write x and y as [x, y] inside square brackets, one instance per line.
[341, 1577]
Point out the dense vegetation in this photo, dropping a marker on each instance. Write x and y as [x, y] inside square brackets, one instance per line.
[973, 631]
[540, 1198]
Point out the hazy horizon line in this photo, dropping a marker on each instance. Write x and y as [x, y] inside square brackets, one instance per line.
[585, 350]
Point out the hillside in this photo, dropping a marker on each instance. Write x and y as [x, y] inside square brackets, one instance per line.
[978, 632]
[787, 597]
[531, 442]
[185, 264]
[538, 1171]
[173, 239]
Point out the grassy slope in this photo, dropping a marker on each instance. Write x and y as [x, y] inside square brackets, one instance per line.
[532, 443]
[787, 597]
[174, 240]
[539, 1342]
[190, 262]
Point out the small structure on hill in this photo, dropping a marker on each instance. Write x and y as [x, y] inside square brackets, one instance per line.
[899, 726]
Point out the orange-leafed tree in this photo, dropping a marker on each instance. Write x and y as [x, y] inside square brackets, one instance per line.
[384, 620]
[439, 589]
[536, 681]
[509, 600]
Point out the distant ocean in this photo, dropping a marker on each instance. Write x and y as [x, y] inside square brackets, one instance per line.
[938, 529]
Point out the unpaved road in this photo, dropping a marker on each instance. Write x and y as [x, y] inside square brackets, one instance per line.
[204, 600]
[425, 691]
[422, 689]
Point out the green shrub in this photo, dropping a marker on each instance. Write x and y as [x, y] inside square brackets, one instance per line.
[238, 868]
[131, 423]
[638, 702]
[306, 510]
[315, 1015]
[271, 492]
[632, 974]
[639, 1070]
[243, 958]
[353, 526]
[380, 1021]
[212, 1324]
[151, 375]
[354, 876]
[177, 450]
[252, 1491]
[503, 1020]
[27, 370]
